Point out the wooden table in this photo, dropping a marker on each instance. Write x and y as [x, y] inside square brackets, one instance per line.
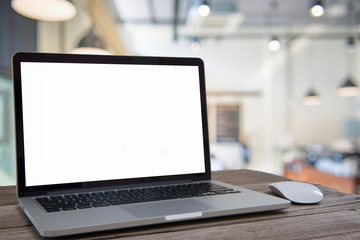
[336, 217]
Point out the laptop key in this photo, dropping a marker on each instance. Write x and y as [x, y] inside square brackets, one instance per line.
[235, 191]
[222, 192]
[101, 204]
[52, 208]
[67, 208]
[83, 206]
[108, 198]
[115, 202]
[84, 195]
[211, 193]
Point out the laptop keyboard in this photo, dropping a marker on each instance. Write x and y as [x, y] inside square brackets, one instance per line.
[108, 198]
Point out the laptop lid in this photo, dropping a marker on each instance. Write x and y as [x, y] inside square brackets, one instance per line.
[86, 121]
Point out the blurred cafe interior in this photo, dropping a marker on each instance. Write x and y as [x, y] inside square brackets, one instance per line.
[281, 75]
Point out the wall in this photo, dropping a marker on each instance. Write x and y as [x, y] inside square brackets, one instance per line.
[7, 135]
[321, 63]
[17, 33]
[244, 67]
[273, 118]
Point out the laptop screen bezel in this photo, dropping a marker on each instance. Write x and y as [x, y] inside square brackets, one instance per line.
[18, 58]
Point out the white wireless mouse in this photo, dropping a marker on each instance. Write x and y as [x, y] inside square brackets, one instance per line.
[297, 192]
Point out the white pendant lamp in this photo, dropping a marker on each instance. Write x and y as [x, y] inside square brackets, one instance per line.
[45, 10]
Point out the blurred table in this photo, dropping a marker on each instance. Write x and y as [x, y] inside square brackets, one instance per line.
[336, 217]
[311, 174]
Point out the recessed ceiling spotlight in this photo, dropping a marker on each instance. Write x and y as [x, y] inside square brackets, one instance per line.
[274, 44]
[317, 9]
[204, 9]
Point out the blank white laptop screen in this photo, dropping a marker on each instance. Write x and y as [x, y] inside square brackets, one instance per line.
[94, 122]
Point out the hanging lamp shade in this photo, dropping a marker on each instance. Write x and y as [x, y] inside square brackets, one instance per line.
[45, 10]
[350, 45]
[91, 44]
[317, 9]
[274, 44]
[348, 88]
[311, 98]
[203, 9]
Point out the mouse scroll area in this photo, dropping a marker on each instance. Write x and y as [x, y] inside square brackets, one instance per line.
[297, 192]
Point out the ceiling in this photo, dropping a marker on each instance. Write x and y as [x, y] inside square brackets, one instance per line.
[255, 13]
[242, 18]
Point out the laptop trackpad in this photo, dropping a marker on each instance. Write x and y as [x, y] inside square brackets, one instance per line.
[167, 208]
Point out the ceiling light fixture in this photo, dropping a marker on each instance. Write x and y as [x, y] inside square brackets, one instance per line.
[45, 10]
[317, 9]
[91, 44]
[348, 88]
[195, 44]
[311, 98]
[274, 44]
[203, 9]
[350, 44]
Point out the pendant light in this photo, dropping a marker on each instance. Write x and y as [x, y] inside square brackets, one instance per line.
[91, 44]
[203, 9]
[348, 88]
[274, 44]
[45, 10]
[317, 9]
[311, 98]
[200, 9]
[195, 44]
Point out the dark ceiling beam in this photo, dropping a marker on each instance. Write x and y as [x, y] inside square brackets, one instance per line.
[176, 20]
[152, 11]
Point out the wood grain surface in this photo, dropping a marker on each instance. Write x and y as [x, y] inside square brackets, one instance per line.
[336, 217]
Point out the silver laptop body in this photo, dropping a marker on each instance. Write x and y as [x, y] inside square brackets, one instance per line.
[99, 127]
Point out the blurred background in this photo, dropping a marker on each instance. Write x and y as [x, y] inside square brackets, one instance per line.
[282, 77]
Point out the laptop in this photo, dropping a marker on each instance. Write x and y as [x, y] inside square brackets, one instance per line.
[113, 142]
